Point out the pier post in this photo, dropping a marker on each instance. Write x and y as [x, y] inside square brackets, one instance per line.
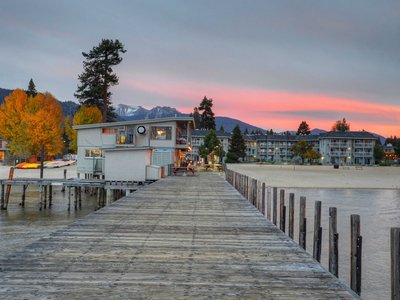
[23, 195]
[80, 196]
[282, 211]
[274, 205]
[317, 231]
[395, 262]
[65, 178]
[2, 196]
[269, 203]
[69, 198]
[291, 215]
[45, 197]
[355, 255]
[263, 198]
[50, 195]
[41, 197]
[333, 242]
[76, 198]
[302, 223]
[108, 196]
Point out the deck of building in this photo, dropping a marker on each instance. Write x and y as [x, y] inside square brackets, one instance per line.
[192, 237]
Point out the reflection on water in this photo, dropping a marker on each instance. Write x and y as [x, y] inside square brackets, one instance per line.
[21, 226]
[379, 210]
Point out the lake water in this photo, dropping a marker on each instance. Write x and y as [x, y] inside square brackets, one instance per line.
[21, 226]
[379, 210]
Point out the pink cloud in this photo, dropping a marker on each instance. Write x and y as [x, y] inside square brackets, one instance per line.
[274, 109]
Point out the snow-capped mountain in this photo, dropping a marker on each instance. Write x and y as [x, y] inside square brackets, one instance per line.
[127, 112]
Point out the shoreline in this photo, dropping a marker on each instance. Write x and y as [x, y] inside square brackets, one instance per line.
[325, 177]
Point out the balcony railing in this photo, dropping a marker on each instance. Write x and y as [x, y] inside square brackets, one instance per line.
[363, 145]
[182, 140]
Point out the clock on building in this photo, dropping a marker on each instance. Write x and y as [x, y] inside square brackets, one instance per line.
[141, 129]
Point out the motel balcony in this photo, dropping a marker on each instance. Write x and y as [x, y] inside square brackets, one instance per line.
[364, 145]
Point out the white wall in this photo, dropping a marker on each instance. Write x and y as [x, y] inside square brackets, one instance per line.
[127, 164]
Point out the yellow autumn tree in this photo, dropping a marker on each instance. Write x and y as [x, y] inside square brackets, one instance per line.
[13, 122]
[84, 115]
[27, 123]
[45, 121]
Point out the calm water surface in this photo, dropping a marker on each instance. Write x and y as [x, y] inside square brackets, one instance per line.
[379, 210]
[20, 227]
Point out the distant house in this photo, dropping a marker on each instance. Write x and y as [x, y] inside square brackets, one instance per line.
[198, 136]
[131, 150]
[251, 147]
[3, 151]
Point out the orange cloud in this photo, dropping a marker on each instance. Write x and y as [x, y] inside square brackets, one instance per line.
[279, 110]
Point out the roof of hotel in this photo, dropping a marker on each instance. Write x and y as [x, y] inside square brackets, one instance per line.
[203, 133]
[348, 134]
[134, 122]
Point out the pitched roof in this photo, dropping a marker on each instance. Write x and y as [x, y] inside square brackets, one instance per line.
[348, 134]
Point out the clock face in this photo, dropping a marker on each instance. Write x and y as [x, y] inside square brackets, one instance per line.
[141, 129]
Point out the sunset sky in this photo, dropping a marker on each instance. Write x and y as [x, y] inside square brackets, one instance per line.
[271, 63]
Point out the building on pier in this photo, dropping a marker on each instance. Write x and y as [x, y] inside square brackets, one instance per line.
[133, 150]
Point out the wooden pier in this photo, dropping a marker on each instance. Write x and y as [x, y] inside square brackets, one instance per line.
[106, 191]
[192, 237]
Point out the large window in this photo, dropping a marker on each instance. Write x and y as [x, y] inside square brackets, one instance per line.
[161, 133]
[93, 153]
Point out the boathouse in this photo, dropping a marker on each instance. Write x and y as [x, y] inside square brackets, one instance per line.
[133, 150]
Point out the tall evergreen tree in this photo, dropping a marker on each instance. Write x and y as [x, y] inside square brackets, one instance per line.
[211, 142]
[31, 91]
[341, 125]
[237, 149]
[246, 131]
[303, 129]
[97, 76]
[196, 117]
[207, 120]
[222, 129]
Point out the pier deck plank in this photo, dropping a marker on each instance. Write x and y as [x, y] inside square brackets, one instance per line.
[190, 237]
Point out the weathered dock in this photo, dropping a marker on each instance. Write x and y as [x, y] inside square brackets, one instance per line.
[192, 237]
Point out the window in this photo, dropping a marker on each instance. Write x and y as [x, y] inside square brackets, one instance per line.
[93, 153]
[110, 130]
[161, 133]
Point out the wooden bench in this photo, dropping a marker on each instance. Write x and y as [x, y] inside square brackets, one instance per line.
[177, 170]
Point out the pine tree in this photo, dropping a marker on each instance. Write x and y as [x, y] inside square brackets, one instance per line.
[97, 76]
[31, 89]
[222, 129]
[207, 120]
[303, 129]
[237, 149]
[246, 131]
[196, 117]
[341, 125]
[211, 142]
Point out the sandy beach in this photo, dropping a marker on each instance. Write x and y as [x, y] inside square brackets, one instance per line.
[296, 176]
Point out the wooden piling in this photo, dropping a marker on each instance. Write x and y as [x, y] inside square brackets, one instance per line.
[282, 214]
[274, 205]
[23, 195]
[268, 203]
[2, 197]
[50, 195]
[69, 198]
[291, 215]
[8, 190]
[80, 196]
[355, 255]
[65, 178]
[317, 232]
[333, 242]
[302, 223]
[45, 197]
[395, 262]
[263, 198]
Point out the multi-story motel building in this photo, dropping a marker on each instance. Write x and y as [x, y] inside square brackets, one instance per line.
[347, 148]
[344, 148]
